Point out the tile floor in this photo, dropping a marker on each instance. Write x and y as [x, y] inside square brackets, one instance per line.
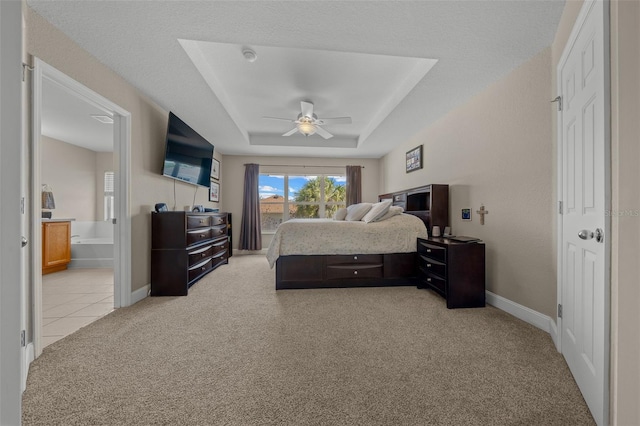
[72, 299]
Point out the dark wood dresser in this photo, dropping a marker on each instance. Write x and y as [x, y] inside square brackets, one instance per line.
[455, 270]
[185, 247]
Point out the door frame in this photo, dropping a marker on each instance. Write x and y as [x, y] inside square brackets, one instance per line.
[122, 163]
[580, 20]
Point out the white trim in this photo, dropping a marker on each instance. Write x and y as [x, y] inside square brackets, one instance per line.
[139, 294]
[122, 153]
[29, 356]
[553, 331]
[36, 203]
[535, 318]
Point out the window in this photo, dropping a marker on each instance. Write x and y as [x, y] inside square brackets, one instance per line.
[283, 197]
[109, 196]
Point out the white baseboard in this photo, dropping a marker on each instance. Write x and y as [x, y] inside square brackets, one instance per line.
[543, 322]
[553, 331]
[29, 356]
[140, 294]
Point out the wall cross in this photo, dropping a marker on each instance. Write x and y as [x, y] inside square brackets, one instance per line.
[482, 212]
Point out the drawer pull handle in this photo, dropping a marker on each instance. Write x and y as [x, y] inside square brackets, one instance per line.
[355, 257]
[203, 255]
[428, 265]
[202, 221]
[203, 268]
[428, 280]
[428, 250]
[201, 235]
[355, 272]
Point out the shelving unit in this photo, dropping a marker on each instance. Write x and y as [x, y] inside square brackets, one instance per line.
[430, 203]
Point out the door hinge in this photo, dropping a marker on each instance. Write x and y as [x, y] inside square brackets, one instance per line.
[23, 338]
[559, 310]
[114, 221]
[22, 205]
[558, 99]
[559, 207]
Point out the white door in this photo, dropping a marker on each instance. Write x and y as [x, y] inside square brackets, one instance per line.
[10, 251]
[584, 255]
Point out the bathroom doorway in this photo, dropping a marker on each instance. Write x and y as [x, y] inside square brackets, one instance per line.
[81, 153]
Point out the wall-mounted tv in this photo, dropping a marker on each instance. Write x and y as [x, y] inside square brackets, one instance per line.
[188, 155]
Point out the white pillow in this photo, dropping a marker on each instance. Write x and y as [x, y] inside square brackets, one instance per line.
[377, 211]
[393, 211]
[355, 212]
[340, 214]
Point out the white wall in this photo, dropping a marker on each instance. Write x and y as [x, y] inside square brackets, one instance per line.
[232, 168]
[496, 150]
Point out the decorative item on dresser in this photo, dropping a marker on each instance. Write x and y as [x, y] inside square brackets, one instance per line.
[185, 246]
[56, 245]
[453, 269]
[430, 203]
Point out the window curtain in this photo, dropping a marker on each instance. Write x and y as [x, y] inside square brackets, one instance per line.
[250, 230]
[354, 185]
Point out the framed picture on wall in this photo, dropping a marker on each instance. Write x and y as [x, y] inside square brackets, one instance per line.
[414, 159]
[214, 192]
[215, 169]
[466, 214]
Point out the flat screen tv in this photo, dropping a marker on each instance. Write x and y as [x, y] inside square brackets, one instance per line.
[188, 155]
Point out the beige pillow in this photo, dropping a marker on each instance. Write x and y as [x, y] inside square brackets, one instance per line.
[340, 214]
[356, 212]
[393, 211]
[377, 211]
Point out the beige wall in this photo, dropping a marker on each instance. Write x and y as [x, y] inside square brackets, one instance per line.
[70, 171]
[148, 128]
[625, 222]
[496, 150]
[76, 176]
[232, 168]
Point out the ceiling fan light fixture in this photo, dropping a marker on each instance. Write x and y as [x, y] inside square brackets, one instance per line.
[306, 128]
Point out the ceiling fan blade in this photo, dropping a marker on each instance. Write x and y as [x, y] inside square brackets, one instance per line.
[307, 109]
[322, 132]
[282, 119]
[336, 120]
[290, 132]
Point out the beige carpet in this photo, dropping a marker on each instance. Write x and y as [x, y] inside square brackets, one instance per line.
[235, 352]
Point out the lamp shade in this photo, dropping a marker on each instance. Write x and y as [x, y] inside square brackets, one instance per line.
[47, 198]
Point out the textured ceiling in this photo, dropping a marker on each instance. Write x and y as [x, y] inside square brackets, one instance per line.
[475, 43]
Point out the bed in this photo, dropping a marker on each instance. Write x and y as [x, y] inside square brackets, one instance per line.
[324, 253]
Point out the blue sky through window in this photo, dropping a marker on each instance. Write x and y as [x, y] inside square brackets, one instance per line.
[270, 185]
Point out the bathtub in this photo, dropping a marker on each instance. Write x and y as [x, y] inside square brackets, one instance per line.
[91, 252]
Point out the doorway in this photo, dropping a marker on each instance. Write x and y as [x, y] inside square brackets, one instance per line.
[116, 208]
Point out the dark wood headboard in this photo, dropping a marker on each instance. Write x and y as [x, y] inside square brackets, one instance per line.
[430, 203]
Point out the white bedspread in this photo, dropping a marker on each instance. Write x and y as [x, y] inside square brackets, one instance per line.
[326, 236]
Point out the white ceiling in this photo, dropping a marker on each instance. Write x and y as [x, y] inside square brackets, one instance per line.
[68, 118]
[370, 60]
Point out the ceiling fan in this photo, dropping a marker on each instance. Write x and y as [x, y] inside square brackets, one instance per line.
[308, 123]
